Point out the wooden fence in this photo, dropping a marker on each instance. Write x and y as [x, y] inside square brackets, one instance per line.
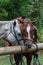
[17, 49]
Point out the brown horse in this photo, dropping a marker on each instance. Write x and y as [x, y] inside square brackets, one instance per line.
[29, 34]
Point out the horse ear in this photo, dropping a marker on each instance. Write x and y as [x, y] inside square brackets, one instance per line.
[34, 21]
[20, 20]
[23, 17]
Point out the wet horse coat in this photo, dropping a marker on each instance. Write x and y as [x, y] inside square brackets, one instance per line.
[29, 35]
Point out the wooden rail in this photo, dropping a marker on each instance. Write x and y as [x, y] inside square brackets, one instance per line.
[17, 49]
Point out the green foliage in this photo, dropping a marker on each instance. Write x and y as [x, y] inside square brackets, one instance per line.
[2, 42]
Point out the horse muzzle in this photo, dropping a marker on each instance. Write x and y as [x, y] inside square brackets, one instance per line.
[28, 43]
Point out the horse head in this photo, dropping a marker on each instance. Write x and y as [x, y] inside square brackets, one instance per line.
[29, 31]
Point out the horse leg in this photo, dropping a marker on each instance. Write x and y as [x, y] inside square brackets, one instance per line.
[29, 58]
[16, 59]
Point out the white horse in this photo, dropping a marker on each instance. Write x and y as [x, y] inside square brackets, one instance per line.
[10, 31]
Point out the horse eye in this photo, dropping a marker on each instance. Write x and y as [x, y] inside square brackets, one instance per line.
[14, 23]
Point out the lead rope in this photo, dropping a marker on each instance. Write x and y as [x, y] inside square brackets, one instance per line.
[22, 57]
[35, 58]
[11, 59]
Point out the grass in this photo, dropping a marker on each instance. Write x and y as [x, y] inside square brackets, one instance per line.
[4, 60]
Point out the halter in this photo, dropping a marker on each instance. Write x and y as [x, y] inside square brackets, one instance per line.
[15, 35]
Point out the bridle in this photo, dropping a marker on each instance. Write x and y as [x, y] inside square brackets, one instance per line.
[22, 37]
[18, 40]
